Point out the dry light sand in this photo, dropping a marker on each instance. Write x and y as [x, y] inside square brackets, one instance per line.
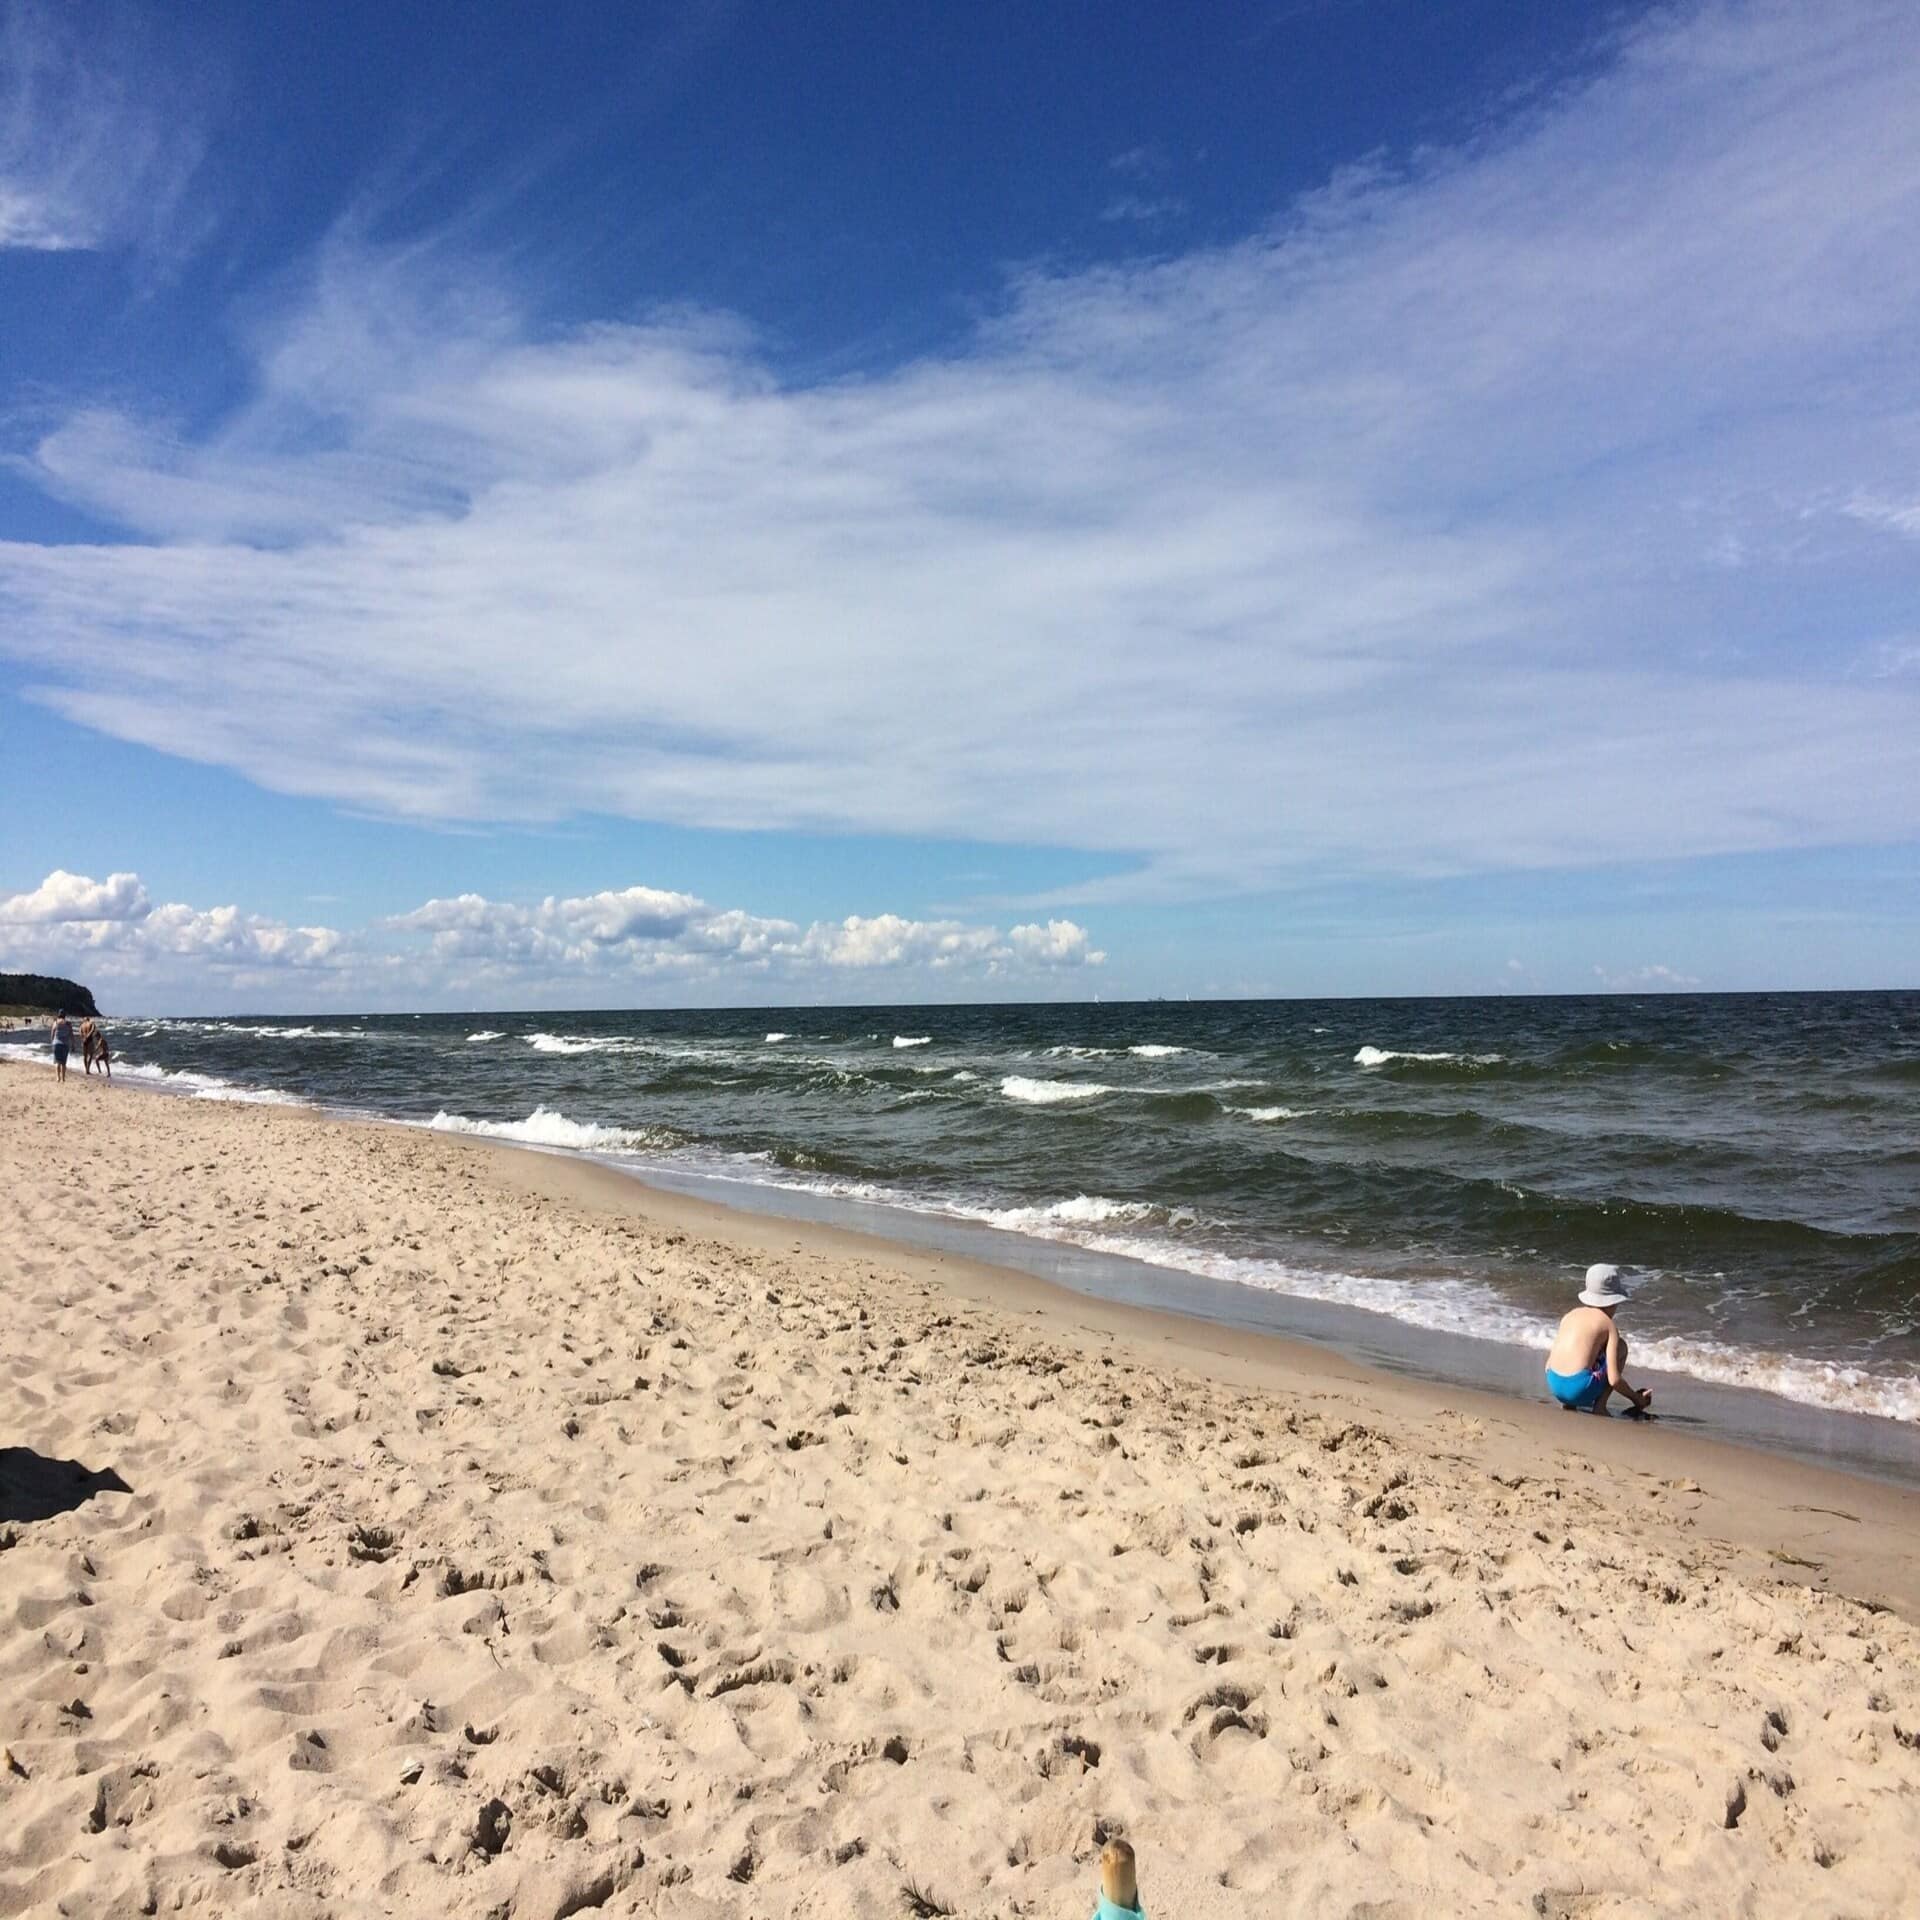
[468, 1532]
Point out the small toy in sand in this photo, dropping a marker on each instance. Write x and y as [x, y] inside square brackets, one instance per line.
[1119, 1887]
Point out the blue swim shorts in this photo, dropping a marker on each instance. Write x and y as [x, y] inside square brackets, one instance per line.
[1580, 1391]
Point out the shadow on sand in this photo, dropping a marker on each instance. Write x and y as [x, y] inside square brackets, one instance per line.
[32, 1487]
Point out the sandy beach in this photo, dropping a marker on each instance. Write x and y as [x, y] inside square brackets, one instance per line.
[392, 1523]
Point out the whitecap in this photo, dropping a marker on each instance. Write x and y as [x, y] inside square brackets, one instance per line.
[1382, 1056]
[1084, 1210]
[548, 1127]
[913, 1039]
[1266, 1115]
[1049, 1093]
[485, 1033]
[1154, 1051]
[774, 1039]
[203, 1086]
[183, 1078]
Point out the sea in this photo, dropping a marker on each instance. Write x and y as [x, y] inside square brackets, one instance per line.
[1420, 1180]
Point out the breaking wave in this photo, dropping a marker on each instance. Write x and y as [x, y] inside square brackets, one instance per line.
[1386, 1057]
[548, 1127]
[1050, 1093]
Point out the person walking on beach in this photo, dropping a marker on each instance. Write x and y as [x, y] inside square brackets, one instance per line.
[1587, 1365]
[62, 1043]
[102, 1053]
[89, 1044]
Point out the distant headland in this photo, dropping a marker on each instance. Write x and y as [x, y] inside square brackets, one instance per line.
[22, 993]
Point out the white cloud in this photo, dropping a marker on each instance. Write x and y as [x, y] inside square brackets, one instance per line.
[1148, 162]
[642, 931]
[637, 929]
[1059, 943]
[1634, 979]
[96, 144]
[1388, 541]
[226, 936]
[1146, 209]
[72, 897]
[114, 926]
[1895, 515]
[886, 940]
[630, 939]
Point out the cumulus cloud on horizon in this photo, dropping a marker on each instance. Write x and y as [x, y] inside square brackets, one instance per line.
[621, 940]
[1543, 502]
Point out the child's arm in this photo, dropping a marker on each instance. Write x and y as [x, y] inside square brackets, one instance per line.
[1617, 1372]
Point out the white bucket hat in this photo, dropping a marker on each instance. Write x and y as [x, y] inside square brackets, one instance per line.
[1603, 1288]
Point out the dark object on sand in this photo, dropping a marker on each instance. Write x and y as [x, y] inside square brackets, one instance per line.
[34, 1487]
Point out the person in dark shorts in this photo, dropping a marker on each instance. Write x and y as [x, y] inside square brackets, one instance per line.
[62, 1043]
[102, 1053]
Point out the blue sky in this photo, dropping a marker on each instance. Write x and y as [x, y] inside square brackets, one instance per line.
[727, 504]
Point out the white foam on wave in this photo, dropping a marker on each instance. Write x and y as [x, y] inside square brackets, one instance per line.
[1154, 1051]
[1083, 1210]
[252, 1031]
[1083, 1053]
[549, 1127]
[774, 1039]
[608, 1043]
[913, 1039]
[964, 1074]
[485, 1033]
[1267, 1115]
[1814, 1383]
[182, 1078]
[203, 1086]
[1384, 1056]
[1050, 1093]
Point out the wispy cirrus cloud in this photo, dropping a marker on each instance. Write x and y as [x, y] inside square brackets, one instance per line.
[97, 142]
[1391, 540]
[1144, 209]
